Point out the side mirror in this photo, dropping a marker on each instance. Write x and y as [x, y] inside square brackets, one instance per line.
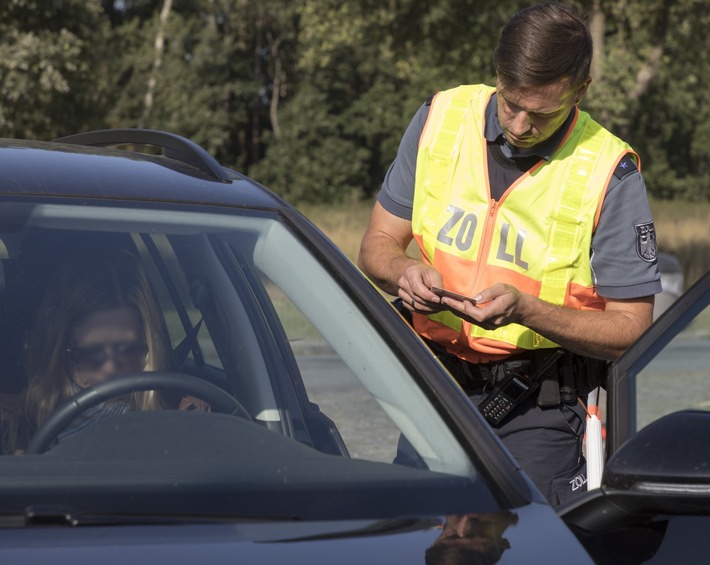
[663, 469]
[667, 462]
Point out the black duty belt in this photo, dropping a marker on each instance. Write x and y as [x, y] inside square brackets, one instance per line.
[565, 378]
[474, 377]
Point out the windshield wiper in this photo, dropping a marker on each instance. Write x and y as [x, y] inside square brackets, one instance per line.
[41, 515]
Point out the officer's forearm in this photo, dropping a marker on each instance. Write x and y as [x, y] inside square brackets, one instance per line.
[382, 259]
[602, 335]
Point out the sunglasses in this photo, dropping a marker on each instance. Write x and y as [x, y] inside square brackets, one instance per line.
[124, 355]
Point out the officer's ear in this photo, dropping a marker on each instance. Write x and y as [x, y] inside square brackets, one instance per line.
[582, 90]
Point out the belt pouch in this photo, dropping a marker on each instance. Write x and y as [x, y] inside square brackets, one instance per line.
[548, 394]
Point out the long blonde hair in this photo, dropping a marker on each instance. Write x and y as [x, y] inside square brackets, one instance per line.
[82, 286]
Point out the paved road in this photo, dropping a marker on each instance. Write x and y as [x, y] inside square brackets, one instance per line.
[366, 429]
[678, 379]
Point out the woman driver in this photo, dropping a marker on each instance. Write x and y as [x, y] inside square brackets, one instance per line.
[97, 319]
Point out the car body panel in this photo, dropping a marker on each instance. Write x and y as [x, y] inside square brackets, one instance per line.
[63, 170]
[521, 533]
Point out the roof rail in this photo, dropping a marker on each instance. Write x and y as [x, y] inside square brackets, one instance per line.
[175, 146]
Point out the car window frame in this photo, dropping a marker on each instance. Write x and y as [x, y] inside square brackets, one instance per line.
[621, 419]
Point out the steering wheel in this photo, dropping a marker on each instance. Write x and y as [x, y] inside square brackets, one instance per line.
[219, 399]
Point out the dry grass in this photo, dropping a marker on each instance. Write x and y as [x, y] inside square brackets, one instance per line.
[344, 224]
[683, 228]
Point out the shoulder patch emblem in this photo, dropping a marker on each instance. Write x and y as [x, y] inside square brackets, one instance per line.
[626, 165]
[646, 242]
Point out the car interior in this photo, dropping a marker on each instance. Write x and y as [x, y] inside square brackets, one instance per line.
[195, 294]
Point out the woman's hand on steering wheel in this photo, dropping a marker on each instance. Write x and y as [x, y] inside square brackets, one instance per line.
[194, 403]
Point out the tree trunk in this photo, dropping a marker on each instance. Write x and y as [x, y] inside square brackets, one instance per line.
[157, 63]
[649, 68]
[276, 86]
[596, 28]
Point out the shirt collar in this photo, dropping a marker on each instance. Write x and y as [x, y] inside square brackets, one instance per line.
[494, 134]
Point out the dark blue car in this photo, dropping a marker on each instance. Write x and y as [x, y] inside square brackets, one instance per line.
[285, 384]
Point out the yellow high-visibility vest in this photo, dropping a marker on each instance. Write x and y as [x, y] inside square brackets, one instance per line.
[537, 237]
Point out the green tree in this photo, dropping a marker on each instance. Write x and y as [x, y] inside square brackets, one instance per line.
[312, 97]
[217, 65]
[364, 68]
[651, 74]
[50, 59]
[329, 141]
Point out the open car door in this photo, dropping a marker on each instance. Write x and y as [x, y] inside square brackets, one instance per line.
[654, 498]
[665, 371]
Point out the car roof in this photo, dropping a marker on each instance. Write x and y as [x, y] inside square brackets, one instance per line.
[69, 168]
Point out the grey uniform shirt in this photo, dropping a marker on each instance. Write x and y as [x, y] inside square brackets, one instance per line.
[623, 260]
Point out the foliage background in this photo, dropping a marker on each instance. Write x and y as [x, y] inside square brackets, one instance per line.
[311, 97]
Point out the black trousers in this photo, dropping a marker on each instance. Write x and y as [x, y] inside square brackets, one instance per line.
[546, 443]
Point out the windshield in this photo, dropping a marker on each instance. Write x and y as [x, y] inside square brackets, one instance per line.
[235, 375]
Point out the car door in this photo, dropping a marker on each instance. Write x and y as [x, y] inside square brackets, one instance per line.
[666, 371]
[653, 504]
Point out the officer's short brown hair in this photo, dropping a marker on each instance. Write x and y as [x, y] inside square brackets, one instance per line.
[543, 44]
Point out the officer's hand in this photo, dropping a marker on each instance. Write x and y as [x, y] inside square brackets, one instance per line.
[415, 288]
[495, 306]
